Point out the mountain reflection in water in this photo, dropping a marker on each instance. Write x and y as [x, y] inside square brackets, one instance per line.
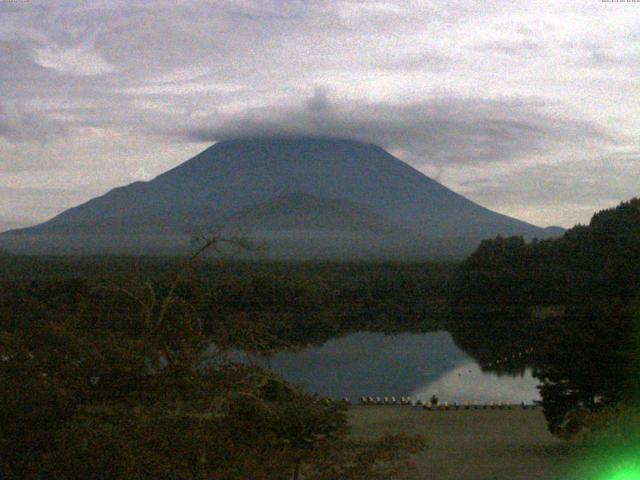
[407, 364]
[467, 383]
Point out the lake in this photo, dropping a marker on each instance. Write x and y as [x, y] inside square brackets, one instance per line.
[415, 365]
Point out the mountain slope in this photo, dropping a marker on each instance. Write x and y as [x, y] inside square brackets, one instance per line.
[300, 212]
[235, 175]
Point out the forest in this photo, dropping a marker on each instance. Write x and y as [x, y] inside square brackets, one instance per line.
[107, 367]
[295, 304]
[573, 300]
[120, 367]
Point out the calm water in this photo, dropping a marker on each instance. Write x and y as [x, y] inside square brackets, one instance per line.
[416, 365]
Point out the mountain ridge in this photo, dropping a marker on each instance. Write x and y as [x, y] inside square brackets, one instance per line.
[239, 175]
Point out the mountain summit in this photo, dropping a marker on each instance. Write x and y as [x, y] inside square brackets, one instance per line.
[292, 187]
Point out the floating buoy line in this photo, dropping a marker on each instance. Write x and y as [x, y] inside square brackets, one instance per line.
[444, 406]
[433, 406]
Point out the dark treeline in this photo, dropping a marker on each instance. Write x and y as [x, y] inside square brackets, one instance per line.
[109, 375]
[293, 304]
[572, 299]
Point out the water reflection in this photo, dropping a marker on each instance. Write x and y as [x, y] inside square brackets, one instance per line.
[467, 383]
[398, 365]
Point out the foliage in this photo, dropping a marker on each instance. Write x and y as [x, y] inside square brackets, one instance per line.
[586, 281]
[119, 381]
[285, 305]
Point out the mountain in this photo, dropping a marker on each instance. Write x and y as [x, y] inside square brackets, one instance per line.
[303, 187]
[300, 211]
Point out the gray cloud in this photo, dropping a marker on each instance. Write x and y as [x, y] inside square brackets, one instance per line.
[438, 131]
[424, 60]
[583, 187]
[319, 102]
[523, 46]
[93, 92]
[19, 126]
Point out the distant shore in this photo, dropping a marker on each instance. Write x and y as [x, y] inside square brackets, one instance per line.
[471, 444]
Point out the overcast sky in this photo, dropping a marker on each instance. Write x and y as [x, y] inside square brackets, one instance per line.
[531, 108]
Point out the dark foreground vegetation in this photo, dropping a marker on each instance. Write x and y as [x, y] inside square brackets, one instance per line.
[572, 302]
[292, 304]
[120, 367]
[108, 375]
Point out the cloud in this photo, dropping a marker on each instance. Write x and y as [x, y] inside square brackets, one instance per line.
[319, 102]
[77, 60]
[19, 126]
[581, 186]
[438, 131]
[463, 90]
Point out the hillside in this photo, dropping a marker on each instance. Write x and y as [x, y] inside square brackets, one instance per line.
[302, 212]
[287, 184]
